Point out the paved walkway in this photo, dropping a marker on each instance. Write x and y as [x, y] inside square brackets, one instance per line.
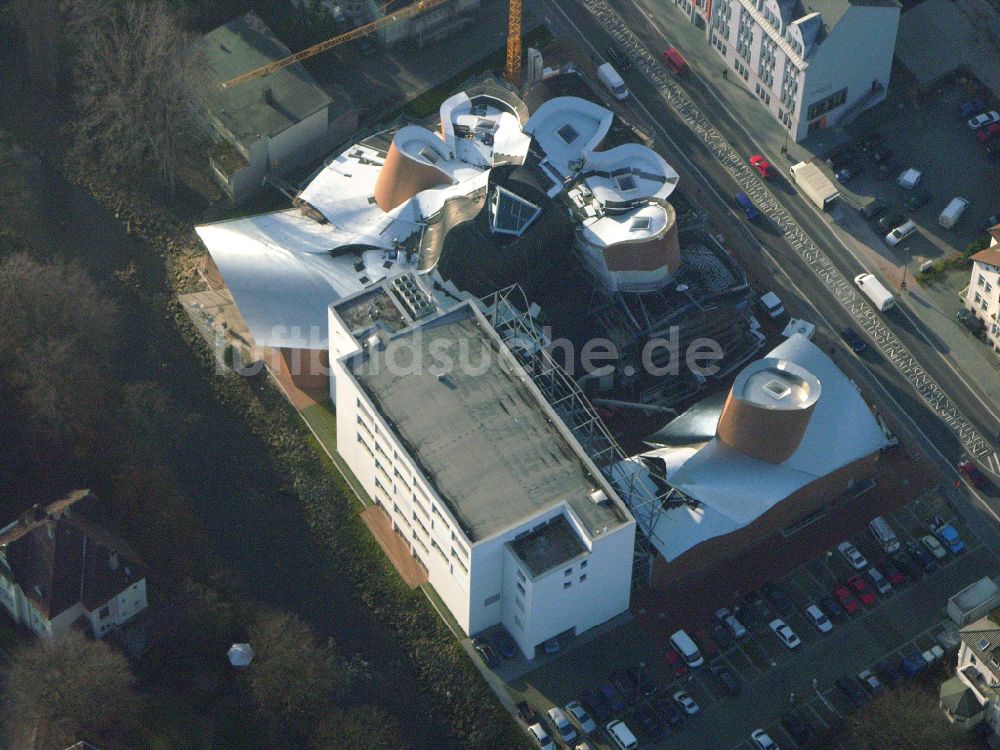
[931, 307]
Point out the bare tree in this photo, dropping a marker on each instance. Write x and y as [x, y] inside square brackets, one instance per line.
[134, 74]
[906, 718]
[66, 688]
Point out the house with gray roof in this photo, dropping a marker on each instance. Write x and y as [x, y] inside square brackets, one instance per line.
[272, 123]
[813, 64]
[60, 568]
[979, 669]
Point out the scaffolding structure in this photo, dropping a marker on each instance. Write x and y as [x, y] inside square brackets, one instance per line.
[646, 495]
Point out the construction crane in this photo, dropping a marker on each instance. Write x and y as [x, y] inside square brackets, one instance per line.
[512, 71]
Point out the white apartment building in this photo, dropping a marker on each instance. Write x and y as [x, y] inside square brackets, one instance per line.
[813, 65]
[979, 665]
[982, 297]
[496, 498]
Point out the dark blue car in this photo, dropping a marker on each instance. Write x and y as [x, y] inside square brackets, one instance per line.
[744, 202]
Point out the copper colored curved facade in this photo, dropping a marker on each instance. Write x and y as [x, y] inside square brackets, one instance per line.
[762, 425]
[402, 177]
[649, 254]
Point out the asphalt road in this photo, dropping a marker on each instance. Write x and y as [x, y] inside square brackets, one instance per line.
[766, 254]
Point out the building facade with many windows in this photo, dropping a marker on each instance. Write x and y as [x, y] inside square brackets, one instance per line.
[476, 471]
[812, 66]
[982, 297]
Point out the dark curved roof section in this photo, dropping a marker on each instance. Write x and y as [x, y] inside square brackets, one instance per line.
[498, 94]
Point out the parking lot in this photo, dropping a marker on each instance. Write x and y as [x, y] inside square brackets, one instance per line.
[926, 132]
[772, 678]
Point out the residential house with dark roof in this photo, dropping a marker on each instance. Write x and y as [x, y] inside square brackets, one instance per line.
[59, 568]
[979, 666]
[273, 123]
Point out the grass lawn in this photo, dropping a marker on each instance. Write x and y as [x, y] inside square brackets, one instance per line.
[323, 421]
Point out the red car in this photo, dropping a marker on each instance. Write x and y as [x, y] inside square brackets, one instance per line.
[763, 166]
[894, 574]
[846, 599]
[988, 132]
[675, 662]
[973, 473]
[865, 594]
[705, 644]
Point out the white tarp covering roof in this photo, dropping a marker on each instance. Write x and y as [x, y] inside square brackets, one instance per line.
[734, 489]
[240, 654]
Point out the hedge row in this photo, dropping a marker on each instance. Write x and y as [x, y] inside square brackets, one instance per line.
[463, 702]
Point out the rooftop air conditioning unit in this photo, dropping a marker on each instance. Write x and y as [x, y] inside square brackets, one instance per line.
[598, 496]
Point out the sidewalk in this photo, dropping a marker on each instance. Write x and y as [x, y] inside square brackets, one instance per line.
[935, 308]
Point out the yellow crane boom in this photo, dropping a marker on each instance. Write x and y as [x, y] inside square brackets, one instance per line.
[411, 10]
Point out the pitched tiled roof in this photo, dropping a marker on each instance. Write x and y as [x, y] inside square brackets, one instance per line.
[61, 555]
[990, 255]
[983, 638]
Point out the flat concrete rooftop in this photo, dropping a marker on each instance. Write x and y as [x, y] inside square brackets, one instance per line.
[550, 546]
[483, 438]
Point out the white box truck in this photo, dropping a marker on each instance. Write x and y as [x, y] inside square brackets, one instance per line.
[817, 186]
[874, 290]
[614, 83]
[953, 212]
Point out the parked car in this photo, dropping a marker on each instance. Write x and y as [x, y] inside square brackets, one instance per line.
[990, 221]
[831, 607]
[729, 683]
[581, 716]
[874, 208]
[861, 590]
[762, 740]
[617, 58]
[851, 691]
[675, 662]
[919, 553]
[919, 199]
[946, 535]
[762, 165]
[705, 643]
[504, 644]
[871, 142]
[597, 705]
[870, 682]
[968, 107]
[892, 572]
[913, 663]
[988, 132]
[888, 671]
[879, 581]
[841, 157]
[975, 476]
[686, 702]
[933, 546]
[565, 730]
[541, 737]
[649, 724]
[785, 634]
[853, 340]
[777, 598]
[667, 710]
[727, 618]
[818, 619]
[913, 569]
[969, 320]
[754, 609]
[797, 729]
[846, 599]
[722, 635]
[527, 713]
[984, 119]
[854, 558]
[881, 155]
[890, 219]
[486, 652]
[850, 171]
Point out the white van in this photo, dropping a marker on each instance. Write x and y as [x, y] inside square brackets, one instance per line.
[900, 233]
[884, 535]
[772, 304]
[622, 736]
[607, 75]
[953, 212]
[686, 647]
[880, 296]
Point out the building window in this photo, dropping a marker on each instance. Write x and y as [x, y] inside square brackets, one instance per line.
[520, 587]
[989, 287]
[982, 280]
[105, 611]
[567, 584]
[491, 600]
[520, 576]
[583, 578]
[517, 621]
[568, 572]
[985, 304]
[519, 602]
[583, 565]
[978, 297]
